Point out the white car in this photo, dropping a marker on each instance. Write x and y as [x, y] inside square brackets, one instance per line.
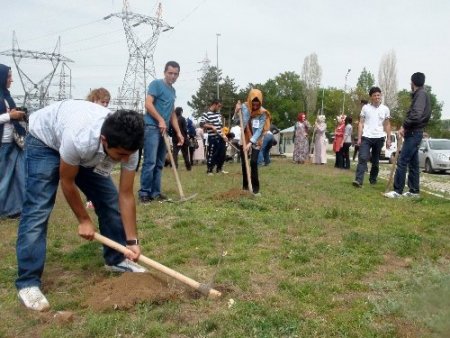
[389, 153]
[434, 155]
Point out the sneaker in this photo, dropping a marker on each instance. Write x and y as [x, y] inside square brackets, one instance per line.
[33, 299]
[145, 199]
[392, 194]
[357, 184]
[224, 172]
[210, 174]
[125, 266]
[411, 194]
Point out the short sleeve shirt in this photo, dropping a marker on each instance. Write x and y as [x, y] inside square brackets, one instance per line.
[73, 128]
[163, 99]
[374, 118]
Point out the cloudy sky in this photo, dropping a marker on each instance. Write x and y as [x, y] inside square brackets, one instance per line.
[259, 39]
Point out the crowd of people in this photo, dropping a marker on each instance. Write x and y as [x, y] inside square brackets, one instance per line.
[77, 144]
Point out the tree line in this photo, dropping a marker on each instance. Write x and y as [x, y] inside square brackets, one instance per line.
[289, 93]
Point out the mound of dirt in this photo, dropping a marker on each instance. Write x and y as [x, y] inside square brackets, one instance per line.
[232, 194]
[129, 289]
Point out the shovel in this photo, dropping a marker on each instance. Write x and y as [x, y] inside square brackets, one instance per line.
[202, 288]
[394, 164]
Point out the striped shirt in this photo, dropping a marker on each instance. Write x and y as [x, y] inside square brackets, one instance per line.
[214, 119]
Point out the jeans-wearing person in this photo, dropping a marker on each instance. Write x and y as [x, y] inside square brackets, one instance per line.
[42, 182]
[154, 156]
[409, 159]
[368, 144]
[264, 154]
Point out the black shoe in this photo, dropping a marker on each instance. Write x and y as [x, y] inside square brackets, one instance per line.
[357, 184]
[15, 216]
[162, 198]
[373, 182]
[145, 199]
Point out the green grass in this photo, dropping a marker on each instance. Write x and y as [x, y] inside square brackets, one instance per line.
[311, 257]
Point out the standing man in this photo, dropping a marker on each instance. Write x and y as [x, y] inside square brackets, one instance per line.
[185, 146]
[416, 120]
[78, 143]
[212, 122]
[373, 118]
[159, 105]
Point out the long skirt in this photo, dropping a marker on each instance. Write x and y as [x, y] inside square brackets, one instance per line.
[12, 179]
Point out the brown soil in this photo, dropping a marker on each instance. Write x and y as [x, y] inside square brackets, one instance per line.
[129, 289]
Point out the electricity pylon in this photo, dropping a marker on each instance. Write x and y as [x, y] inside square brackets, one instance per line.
[140, 63]
[36, 92]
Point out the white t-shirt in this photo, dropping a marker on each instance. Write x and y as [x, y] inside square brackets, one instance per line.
[236, 130]
[72, 127]
[374, 118]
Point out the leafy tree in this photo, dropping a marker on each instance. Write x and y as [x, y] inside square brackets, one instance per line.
[311, 76]
[387, 79]
[206, 92]
[229, 97]
[366, 80]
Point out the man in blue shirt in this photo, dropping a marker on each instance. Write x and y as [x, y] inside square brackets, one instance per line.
[159, 105]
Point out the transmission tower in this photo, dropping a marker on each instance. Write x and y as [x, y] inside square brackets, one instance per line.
[36, 93]
[140, 63]
[65, 81]
[206, 64]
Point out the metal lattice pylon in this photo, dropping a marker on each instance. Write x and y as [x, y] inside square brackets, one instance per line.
[140, 63]
[36, 93]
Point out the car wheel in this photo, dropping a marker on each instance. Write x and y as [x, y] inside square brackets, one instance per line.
[428, 167]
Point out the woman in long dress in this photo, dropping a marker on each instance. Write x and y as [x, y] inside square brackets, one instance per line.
[199, 153]
[301, 144]
[320, 141]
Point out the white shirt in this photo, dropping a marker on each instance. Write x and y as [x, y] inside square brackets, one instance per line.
[374, 118]
[7, 126]
[236, 130]
[73, 128]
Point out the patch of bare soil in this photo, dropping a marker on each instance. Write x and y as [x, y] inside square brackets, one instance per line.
[390, 265]
[232, 194]
[129, 289]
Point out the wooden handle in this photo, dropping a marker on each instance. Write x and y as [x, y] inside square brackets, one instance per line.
[174, 168]
[247, 166]
[212, 293]
[394, 163]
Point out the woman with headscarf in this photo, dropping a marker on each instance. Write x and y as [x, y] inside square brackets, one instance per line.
[338, 142]
[256, 121]
[320, 141]
[12, 160]
[301, 144]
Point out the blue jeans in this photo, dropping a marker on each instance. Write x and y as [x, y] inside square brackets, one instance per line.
[364, 155]
[154, 156]
[409, 159]
[264, 154]
[42, 180]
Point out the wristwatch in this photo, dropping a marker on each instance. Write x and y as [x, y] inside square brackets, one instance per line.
[132, 242]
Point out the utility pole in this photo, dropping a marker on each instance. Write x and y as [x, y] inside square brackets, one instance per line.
[345, 89]
[217, 64]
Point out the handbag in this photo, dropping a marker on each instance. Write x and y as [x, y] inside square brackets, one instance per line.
[19, 136]
[193, 143]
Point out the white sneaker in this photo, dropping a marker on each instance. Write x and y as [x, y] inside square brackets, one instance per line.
[126, 266]
[411, 194]
[224, 172]
[392, 194]
[33, 299]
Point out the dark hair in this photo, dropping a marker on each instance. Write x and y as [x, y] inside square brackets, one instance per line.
[374, 90]
[178, 111]
[173, 64]
[418, 79]
[215, 101]
[348, 120]
[125, 129]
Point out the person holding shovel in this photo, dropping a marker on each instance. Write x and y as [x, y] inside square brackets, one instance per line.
[416, 120]
[256, 121]
[78, 143]
[160, 107]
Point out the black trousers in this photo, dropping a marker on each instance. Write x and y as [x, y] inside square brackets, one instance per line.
[216, 153]
[185, 151]
[253, 170]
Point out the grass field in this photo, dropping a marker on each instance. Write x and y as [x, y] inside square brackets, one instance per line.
[311, 257]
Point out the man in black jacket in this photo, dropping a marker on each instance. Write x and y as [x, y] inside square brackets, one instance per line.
[412, 131]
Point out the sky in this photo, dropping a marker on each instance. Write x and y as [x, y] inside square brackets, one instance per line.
[258, 40]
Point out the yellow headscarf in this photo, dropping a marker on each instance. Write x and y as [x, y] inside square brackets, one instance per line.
[256, 93]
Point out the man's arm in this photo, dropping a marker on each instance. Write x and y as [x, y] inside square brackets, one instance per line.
[150, 107]
[360, 129]
[67, 175]
[127, 205]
